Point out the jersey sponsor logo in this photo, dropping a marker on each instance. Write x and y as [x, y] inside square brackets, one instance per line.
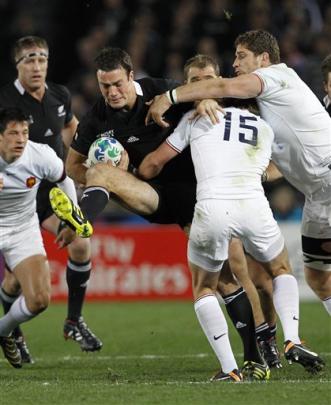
[30, 182]
[132, 139]
[49, 132]
[109, 134]
[61, 111]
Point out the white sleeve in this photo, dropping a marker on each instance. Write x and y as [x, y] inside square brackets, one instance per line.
[51, 166]
[271, 82]
[180, 139]
[68, 186]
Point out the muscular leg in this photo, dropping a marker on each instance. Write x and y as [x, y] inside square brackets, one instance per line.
[33, 276]
[77, 274]
[210, 315]
[320, 282]
[240, 312]
[131, 192]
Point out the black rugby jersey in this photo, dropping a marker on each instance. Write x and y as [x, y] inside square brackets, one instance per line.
[47, 118]
[130, 129]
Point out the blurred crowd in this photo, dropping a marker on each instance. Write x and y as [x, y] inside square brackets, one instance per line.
[160, 35]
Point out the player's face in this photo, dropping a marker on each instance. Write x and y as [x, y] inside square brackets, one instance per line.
[117, 88]
[246, 61]
[13, 140]
[32, 68]
[196, 74]
[327, 85]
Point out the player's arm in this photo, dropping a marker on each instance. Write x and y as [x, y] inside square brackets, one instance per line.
[154, 162]
[271, 173]
[75, 166]
[243, 86]
[69, 131]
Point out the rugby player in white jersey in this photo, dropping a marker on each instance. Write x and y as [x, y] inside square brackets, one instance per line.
[229, 159]
[302, 147]
[23, 164]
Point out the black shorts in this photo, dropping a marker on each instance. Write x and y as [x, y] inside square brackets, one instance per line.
[176, 203]
[44, 209]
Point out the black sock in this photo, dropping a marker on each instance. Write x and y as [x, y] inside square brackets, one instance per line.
[273, 330]
[77, 276]
[7, 301]
[93, 202]
[263, 332]
[240, 312]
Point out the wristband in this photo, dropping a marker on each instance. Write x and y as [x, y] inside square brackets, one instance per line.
[172, 96]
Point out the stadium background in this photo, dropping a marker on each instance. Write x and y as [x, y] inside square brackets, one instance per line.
[132, 259]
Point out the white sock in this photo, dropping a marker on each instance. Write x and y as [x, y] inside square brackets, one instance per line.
[286, 302]
[17, 314]
[214, 325]
[327, 304]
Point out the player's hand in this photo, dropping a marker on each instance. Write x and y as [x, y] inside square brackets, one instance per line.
[208, 108]
[65, 237]
[124, 162]
[157, 108]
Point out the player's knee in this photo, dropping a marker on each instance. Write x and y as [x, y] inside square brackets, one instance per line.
[98, 175]
[39, 302]
[319, 281]
[10, 285]
[80, 250]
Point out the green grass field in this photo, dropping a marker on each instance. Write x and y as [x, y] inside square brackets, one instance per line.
[154, 353]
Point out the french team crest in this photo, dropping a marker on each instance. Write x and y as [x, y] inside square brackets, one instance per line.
[30, 181]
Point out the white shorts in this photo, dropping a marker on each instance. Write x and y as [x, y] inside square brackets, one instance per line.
[316, 229]
[216, 221]
[17, 244]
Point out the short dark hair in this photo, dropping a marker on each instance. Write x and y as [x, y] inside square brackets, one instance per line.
[113, 58]
[9, 114]
[259, 41]
[27, 43]
[201, 61]
[326, 68]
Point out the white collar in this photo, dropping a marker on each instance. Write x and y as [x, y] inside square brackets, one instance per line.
[326, 101]
[20, 87]
[139, 90]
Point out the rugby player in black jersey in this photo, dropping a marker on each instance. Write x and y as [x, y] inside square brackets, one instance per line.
[52, 122]
[170, 197]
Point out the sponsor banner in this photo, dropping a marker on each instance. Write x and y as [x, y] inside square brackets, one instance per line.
[129, 263]
[135, 263]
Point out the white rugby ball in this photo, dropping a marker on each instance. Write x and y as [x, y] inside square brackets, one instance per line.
[105, 149]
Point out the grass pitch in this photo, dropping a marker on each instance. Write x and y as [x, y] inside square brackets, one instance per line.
[154, 353]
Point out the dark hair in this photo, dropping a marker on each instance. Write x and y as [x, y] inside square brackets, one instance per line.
[326, 68]
[260, 41]
[113, 58]
[200, 61]
[9, 114]
[27, 43]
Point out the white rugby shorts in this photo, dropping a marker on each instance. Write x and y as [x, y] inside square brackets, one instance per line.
[216, 221]
[21, 242]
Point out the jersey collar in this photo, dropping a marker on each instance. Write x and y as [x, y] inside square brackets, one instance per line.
[20, 87]
[139, 90]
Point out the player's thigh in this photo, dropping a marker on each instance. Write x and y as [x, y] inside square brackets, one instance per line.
[131, 192]
[260, 232]
[260, 278]
[209, 236]
[33, 275]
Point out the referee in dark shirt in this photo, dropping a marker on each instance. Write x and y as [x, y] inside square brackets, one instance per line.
[52, 122]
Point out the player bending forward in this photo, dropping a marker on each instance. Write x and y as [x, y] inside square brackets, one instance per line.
[229, 159]
[23, 164]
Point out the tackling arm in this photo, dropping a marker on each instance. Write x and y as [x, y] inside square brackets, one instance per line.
[69, 131]
[154, 162]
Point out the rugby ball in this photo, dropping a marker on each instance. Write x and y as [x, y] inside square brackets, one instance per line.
[105, 149]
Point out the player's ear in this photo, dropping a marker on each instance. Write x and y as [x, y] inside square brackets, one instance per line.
[131, 75]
